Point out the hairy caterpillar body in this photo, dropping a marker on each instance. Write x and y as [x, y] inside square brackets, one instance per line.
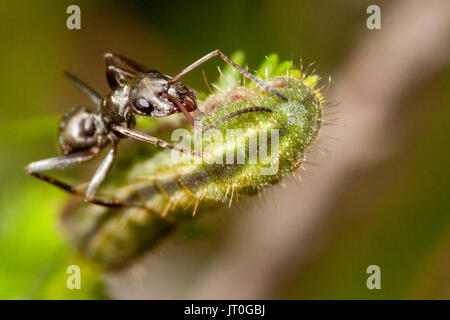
[168, 190]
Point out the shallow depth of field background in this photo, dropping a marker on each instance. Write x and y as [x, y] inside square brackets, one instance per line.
[394, 214]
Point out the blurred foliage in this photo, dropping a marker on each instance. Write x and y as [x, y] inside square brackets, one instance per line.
[396, 215]
[34, 258]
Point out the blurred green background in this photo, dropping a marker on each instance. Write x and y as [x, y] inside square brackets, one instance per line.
[396, 213]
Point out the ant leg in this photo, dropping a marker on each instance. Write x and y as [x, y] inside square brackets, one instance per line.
[87, 90]
[244, 72]
[118, 77]
[112, 59]
[235, 114]
[64, 162]
[73, 190]
[150, 139]
[100, 174]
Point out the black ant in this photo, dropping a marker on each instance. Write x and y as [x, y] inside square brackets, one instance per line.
[134, 90]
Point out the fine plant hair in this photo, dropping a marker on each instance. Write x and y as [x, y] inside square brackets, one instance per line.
[162, 191]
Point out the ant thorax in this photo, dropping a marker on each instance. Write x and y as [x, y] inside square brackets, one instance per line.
[116, 109]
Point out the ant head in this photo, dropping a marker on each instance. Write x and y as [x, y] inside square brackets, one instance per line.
[153, 94]
[77, 130]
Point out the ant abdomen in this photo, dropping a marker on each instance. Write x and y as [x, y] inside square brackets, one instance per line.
[77, 131]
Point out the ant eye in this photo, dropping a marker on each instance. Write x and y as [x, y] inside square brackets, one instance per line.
[143, 105]
[88, 126]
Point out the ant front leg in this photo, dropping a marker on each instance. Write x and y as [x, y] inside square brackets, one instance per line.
[150, 139]
[244, 72]
[112, 59]
[118, 76]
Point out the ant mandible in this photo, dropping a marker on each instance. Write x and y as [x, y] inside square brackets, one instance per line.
[134, 90]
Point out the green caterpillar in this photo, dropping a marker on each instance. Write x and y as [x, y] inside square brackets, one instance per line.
[166, 190]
